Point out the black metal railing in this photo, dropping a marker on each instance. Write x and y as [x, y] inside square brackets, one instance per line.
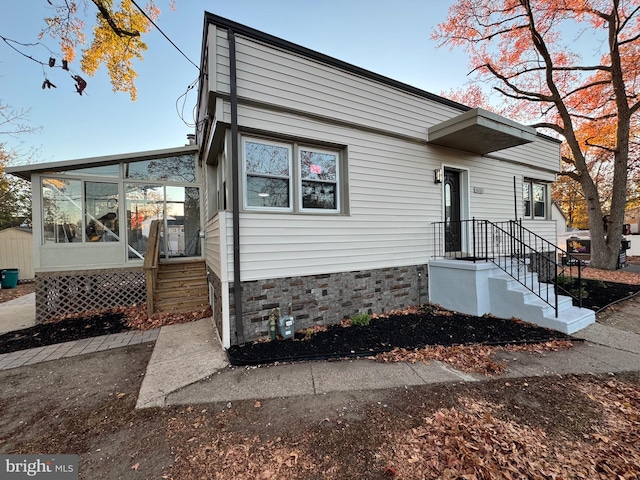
[542, 267]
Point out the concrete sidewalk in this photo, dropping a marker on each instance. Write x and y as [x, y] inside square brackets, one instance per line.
[18, 313]
[190, 351]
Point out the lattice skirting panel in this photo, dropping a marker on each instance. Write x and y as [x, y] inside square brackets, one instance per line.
[63, 293]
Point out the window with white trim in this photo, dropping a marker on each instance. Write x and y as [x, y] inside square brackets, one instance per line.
[267, 168]
[534, 200]
[273, 182]
[318, 179]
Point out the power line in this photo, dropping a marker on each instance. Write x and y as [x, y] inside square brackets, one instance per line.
[163, 34]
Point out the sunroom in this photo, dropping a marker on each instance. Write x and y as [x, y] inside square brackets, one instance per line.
[95, 218]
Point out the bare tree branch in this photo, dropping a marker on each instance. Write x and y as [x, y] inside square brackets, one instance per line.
[107, 17]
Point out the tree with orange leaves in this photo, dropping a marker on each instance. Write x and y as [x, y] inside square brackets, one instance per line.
[116, 39]
[529, 51]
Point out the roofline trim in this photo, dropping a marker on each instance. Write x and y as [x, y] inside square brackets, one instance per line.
[25, 171]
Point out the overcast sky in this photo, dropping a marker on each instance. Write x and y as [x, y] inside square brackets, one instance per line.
[389, 38]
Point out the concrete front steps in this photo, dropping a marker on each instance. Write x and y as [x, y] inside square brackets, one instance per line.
[484, 288]
[181, 287]
[509, 298]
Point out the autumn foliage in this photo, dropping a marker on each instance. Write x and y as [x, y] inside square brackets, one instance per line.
[116, 41]
[569, 67]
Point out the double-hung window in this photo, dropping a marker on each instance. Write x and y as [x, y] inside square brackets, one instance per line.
[318, 180]
[273, 181]
[534, 200]
[267, 175]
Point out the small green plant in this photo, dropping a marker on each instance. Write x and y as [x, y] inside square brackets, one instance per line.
[309, 333]
[360, 320]
[564, 280]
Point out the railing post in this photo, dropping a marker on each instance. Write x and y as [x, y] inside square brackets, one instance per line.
[473, 235]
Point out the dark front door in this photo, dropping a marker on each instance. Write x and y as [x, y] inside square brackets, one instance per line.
[453, 240]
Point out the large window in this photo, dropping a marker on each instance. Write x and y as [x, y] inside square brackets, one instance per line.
[319, 179]
[273, 182]
[268, 174]
[117, 203]
[534, 200]
[101, 212]
[62, 210]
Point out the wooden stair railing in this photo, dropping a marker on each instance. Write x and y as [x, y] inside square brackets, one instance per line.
[151, 260]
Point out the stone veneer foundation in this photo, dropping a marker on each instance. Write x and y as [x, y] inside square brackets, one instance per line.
[323, 299]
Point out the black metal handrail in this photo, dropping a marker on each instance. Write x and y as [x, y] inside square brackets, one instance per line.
[540, 266]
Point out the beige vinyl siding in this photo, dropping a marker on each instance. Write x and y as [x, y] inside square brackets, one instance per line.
[281, 78]
[542, 153]
[16, 251]
[392, 199]
[215, 244]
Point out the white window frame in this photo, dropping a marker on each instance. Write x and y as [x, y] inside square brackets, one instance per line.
[532, 213]
[335, 183]
[246, 174]
[295, 177]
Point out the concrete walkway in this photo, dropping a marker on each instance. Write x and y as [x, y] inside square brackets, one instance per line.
[75, 348]
[18, 313]
[606, 351]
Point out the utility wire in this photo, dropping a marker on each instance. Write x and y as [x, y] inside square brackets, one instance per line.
[163, 34]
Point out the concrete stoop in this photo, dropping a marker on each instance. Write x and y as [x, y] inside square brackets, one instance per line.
[509, 298]
[479, 288]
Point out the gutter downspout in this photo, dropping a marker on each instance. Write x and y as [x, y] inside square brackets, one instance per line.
[233, 80]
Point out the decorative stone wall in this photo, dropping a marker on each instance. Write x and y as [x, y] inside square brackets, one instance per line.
[63, 293]
[327, 299]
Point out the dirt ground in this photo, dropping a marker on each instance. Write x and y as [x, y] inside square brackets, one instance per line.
[497, 429]
[21, 289]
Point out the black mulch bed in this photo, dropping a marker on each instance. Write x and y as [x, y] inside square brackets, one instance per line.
[600, 294]
[63, 331]
[384, 334]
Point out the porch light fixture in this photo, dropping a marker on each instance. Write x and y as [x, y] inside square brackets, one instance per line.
[437, 175]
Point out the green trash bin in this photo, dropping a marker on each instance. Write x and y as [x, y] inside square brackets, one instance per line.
[10, 278]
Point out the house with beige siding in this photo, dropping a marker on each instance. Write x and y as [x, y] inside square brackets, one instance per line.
[331, 188]
[313, 185]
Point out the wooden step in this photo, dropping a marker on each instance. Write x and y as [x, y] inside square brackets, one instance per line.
[182, 266]
[186, 292]
[179, 282]
[181, 287]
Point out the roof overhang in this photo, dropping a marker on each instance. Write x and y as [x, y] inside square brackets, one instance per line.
[480, 131]
[25, 171]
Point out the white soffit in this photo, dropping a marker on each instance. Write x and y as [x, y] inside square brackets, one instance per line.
[480, 131]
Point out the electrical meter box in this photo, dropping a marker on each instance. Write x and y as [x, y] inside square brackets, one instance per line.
[285, 326]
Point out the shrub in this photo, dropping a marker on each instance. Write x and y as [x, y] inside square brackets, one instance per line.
[361, 320]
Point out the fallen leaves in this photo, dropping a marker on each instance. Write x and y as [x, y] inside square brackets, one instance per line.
[137, 318]
[472, 437]
[470, 441]
[616, 276]
[468, 358]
